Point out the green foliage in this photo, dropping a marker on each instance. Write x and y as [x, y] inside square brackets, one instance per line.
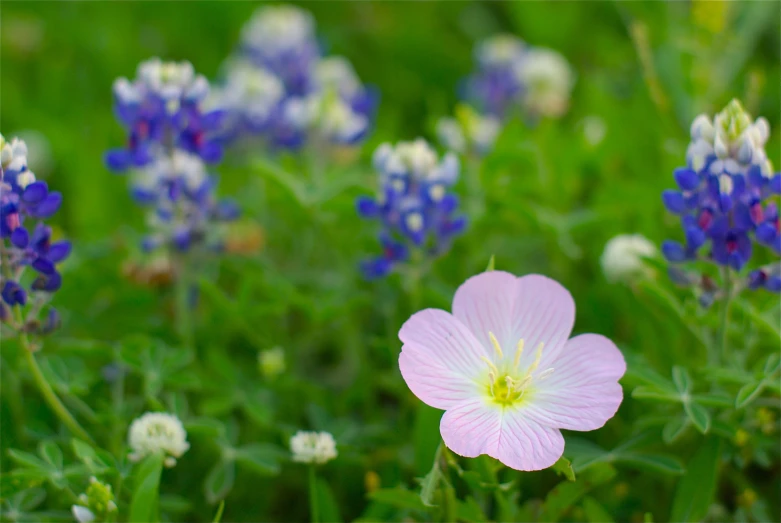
[696, 437]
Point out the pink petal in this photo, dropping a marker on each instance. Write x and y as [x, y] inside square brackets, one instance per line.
[534, 308]
[582, 392]
[440, 359]
[485, 303]
[476, 427]
[526, 444]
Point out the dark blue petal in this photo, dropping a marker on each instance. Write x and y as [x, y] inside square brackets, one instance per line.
[367, 207]
[775, 184]
[695, 237]
[59, 251]
[449, 203]
[35, 192]
[210, 152]
[43, 265]
[118, 160]
[674, 201]
[227, 210]
[766, 233]
[48, 283]
[687, 179]
[20, 237]
[376, 268]
[673, 251]
[49, 206]
[182, 239]
[756, 279]
[773, 284]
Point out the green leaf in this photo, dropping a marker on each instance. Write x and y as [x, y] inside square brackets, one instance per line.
[218, 514]
[585, 454]
[655, 394]
[263, 458]
[398, 497]
[219, 481]
[657, 462]
[682, 380]
[566, 493]
[696, 489]
[329, 508]
[29, 460]
[469, 510]
[146, 491]
[431, 481]
[748, 393]
[674, 429]
[563, 467]
[772, 365]
[491, 264]
[595, 513]
[699, 416]
[89, 457]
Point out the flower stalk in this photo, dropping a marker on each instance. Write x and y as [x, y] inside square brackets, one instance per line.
[314, 505]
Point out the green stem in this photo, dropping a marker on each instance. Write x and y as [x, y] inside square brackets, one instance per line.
[724, 320]
[48, 393]
[314, 505]
[475, 202]
[183, 308]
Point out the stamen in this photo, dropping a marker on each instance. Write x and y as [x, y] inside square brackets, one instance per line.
[518, 352]
[495, 342]
[510, 387]
[544, 374]
[494, 370]
[537, 359]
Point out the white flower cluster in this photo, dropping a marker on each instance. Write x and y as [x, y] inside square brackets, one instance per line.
[273, 30]
[157, 432]
[13, 159]
[255, 91]
[468, 131]
[500, 50]
[736, 141]
[416, 159]
[172, 82]
[313, 447]
[547, 79]
[622, 259]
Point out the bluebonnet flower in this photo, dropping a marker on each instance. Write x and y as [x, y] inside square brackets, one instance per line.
[726, 193]
[163, 109]
[23, 199]
[414, 205]
[282, 39]
[281, 89]
[184, 211]
[168, 159]
[510, 77]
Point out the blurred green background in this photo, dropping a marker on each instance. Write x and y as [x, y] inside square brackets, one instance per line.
[644, 70]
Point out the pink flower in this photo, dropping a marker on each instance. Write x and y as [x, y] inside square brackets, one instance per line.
[503, 368]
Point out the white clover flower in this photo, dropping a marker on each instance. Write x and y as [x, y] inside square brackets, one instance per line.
[622, 259]
[548, 80]
[276, 29]
[336, 73]
[272, 362]
[500, 50]
[82, 514]
[157, 432]
[313, 447]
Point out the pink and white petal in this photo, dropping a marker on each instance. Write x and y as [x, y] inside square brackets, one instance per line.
[525, 444]
[438, 338]
[544, 313]
[485, 303]
[433, 383]
[472, 428]
[476, 427]
[582, 392]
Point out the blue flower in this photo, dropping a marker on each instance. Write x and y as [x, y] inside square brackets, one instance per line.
[163, 109]
[414, 207]
[724, 193]
[22, 200]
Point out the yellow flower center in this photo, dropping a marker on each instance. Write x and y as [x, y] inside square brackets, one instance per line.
[508, 384]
